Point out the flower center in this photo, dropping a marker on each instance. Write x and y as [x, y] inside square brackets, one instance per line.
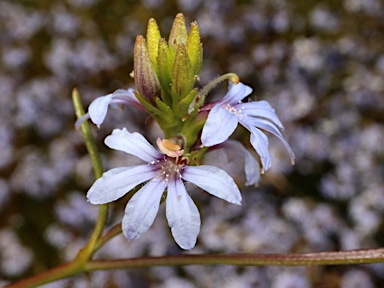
[238, 112]
[168, 168]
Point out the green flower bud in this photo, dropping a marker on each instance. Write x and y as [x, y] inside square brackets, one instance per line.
[183, 77]
[153, 37]
[165, 67]
[179, 34]
[195, 48]
[145, 76]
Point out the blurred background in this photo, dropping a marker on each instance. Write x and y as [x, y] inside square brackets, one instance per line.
[319, 63]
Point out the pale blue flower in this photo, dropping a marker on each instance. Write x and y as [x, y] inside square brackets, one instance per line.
[226, 113]
[99, 107]
[162, 172]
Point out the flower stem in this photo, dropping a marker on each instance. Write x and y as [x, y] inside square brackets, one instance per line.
[79, 263]
[89, 249]
[87, 135]
[114, 231]
[59, 272]
[362, 256]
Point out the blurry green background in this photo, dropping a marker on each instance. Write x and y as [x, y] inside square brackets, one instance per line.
[319, 63]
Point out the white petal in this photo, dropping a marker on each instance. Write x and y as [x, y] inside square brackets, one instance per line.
[127, 97]
[125, 94]
[236, 93]
[81, 120]
[182, 214]
[213, 180]
[132, 143]
[259, 141]
[270, 127]
[141, 210]
[99, 108]
[251, 165]
[219, 126]
[261, 109]
[115, 183]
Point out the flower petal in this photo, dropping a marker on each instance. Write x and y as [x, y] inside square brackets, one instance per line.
[99, 108]
[127, 97]
[259, 141]
[132, 143]
[260, 109]
[251, 165]
[81, 120]
[213, 180]
[236, 93]
[270, 127]
[182, 214]
[116, 182]
[141, 210]
[219, 126]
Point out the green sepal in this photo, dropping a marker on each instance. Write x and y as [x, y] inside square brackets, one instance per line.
[183, 106]
[147, 105]
[165, 67]
[183, 78]
[153, 37]
[194, 48]
[164, 116]
[163, 107]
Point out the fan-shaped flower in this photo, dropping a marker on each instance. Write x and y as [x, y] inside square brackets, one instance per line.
[226, 113]
[162, 172]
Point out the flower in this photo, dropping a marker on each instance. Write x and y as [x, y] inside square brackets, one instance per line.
[226, 113]
[99, 107]
[162, 172]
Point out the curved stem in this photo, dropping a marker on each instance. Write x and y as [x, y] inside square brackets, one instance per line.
[59, 272]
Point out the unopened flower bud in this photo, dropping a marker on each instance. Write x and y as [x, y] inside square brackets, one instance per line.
[145, 75]
[183, 78]
[195, 48]
[153, 37]
[179, 34]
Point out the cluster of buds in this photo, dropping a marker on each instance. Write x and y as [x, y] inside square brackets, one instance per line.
[165, 74]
